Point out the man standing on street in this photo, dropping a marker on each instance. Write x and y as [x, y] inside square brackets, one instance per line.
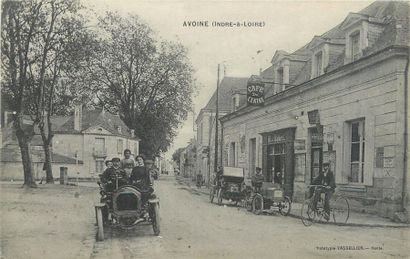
[258, 179]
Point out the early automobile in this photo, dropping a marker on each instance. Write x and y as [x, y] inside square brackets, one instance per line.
[231, 186]
[271, 196]
[126, 207]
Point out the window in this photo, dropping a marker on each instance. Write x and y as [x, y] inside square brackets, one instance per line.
[280, 75]
[318, 64]
[120, 146]
[355, 45]
[357, 147]
[99, 166]
[232, 154]
[233, 108]
[100, 144]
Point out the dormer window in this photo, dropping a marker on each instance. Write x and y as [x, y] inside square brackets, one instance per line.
[355, 45]
[280, 76]
[119, 129]
[235, 102]
[318, 64]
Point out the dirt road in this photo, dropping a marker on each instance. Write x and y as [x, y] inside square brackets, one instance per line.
[58, 222]
[194, 228]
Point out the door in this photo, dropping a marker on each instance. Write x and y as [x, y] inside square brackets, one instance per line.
[316, 162]
[280, 160]
[252, 156]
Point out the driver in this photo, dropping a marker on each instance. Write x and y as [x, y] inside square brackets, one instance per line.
[116, 172]
[258, 179]
[327, 181]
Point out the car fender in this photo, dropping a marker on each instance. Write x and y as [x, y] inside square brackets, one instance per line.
[155, 200]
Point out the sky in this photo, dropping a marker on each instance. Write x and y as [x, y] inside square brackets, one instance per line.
[287, 25]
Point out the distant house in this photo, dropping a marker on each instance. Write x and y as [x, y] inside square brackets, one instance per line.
[82, 142]
[231, 96]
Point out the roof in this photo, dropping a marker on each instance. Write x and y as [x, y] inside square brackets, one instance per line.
[393, 14]
[9, 154]
[92, 118]
[227, 87]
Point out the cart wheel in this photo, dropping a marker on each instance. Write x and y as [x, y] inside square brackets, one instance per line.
[307, 213]
[219, 197]
[156, 219]
[285, 206]
[212, 194]
[257, 204]
[100, 231]
[340, 209]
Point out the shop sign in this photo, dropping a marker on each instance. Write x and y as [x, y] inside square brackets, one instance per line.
[317, 138]
[255, 91]
[274, 138]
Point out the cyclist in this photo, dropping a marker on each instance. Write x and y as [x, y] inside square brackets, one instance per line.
[326, 180]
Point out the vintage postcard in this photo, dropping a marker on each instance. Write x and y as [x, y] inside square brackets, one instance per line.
[204, 129]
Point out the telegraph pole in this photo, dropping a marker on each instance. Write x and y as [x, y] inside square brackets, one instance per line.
[216, 123]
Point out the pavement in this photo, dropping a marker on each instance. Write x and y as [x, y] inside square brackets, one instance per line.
[355, 218]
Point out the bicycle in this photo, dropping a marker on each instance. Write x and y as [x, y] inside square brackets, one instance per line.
[339, 208]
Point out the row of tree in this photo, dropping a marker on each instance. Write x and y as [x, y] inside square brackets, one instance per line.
[52, 56]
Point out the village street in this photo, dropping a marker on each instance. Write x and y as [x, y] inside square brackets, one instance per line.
[191, 227]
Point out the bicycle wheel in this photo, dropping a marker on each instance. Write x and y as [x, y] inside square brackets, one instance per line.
[340, 210]
[307, 213]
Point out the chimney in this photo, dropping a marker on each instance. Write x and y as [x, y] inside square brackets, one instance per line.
[78, 116]
[133, 133]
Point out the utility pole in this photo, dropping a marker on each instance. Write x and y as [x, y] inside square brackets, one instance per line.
[216, 123]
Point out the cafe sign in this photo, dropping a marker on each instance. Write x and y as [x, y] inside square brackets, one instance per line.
[255, 91]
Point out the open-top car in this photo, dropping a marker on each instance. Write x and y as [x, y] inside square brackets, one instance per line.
[271, 196]
[230, 186]
[126, 206]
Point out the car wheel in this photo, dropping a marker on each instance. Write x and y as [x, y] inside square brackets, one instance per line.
[156, 219]
[285, 206]
[257, 204]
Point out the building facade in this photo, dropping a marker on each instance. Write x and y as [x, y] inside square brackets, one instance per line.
[342, 98]
[82, 142]
[231, 96]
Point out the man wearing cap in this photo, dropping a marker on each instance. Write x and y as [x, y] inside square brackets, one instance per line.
[258, 179]
[327, 181]
[119, 172]
[105, 175]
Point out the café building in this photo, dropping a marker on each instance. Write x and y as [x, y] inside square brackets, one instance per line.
[342, 98]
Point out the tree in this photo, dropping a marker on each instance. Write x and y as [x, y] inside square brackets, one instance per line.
[148, 83]
[177, 155]
[40, 44]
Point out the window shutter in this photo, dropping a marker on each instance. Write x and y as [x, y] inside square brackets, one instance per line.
[369, 151]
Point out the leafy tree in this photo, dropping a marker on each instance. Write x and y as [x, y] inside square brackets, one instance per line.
[177, 155]
[149, 83]
[40, 44]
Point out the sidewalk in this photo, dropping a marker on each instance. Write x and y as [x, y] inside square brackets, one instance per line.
[355, 218]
